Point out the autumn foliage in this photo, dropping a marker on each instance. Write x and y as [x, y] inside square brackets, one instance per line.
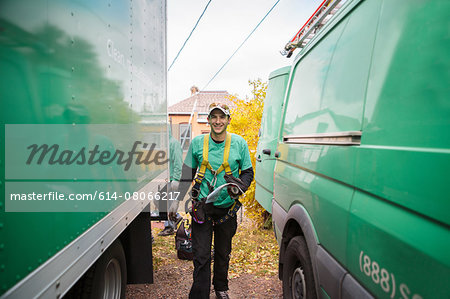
[246, 121]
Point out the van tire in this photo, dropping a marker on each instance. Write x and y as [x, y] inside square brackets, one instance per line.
[298, 276]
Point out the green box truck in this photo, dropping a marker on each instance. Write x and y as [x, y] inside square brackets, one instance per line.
[360, 187]
[84, 143]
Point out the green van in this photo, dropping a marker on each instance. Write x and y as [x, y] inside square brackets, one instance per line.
[361, 186]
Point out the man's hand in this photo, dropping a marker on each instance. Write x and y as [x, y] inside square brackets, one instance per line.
[233, 191]
[174, 186]
[173, 210]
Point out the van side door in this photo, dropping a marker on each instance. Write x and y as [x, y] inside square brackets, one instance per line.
[269, 135]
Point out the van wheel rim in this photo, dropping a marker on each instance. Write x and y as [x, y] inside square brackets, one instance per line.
[113, 280]
[298, 284]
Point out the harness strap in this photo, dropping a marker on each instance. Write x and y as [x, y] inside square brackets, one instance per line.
[205, 163]
[225, 166]
[201, 172]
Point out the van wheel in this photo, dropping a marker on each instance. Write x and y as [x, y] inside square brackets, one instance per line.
[298, 276]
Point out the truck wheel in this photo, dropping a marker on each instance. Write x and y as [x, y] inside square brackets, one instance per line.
[298, 276]
[110, 274]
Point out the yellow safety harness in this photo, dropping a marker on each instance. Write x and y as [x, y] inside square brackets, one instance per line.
[201, 175]
[206, 165]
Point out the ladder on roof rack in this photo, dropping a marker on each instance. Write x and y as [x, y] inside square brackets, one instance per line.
[319, 18]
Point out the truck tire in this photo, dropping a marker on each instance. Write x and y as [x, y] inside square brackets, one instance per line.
[106, 279]
[298, 276]
[109, 278]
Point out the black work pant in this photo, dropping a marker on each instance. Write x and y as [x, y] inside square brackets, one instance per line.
[201, 244]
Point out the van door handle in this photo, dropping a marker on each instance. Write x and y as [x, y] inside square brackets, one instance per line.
[266, 151]
[277, 154]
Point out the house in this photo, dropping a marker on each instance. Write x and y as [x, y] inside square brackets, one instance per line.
[180, 113]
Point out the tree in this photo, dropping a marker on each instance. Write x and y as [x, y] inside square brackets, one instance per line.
[246, 122]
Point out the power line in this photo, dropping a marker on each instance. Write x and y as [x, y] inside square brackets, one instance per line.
[189, 35]
[241, 45]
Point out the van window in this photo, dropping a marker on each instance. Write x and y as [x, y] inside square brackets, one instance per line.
[268, 125]
[303, 107]
[346, 82]
[328, 90]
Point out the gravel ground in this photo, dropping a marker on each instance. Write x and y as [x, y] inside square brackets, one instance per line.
[173, 277]
[175, 281]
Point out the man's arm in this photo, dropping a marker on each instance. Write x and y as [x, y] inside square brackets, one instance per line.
[243, 182]
[246, 177]
[187, 176]
[177, 156]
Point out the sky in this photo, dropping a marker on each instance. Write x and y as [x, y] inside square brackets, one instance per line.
[222, 29]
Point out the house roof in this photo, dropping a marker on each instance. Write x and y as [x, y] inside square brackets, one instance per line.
[204, 99]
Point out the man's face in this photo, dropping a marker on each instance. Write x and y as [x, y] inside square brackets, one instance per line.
[218, 121]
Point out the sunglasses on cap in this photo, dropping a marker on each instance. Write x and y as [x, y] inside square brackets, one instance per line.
[222, 107]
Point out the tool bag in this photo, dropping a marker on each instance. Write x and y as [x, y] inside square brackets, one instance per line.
[183, 242]
[198, 212]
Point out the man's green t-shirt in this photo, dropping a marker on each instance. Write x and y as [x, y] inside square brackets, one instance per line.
[239, 159]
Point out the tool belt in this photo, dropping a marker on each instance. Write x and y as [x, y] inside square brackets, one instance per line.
[230, 214]
[200, 216]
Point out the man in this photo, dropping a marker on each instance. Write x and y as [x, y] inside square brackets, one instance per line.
[220, 215]
[175, 164]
